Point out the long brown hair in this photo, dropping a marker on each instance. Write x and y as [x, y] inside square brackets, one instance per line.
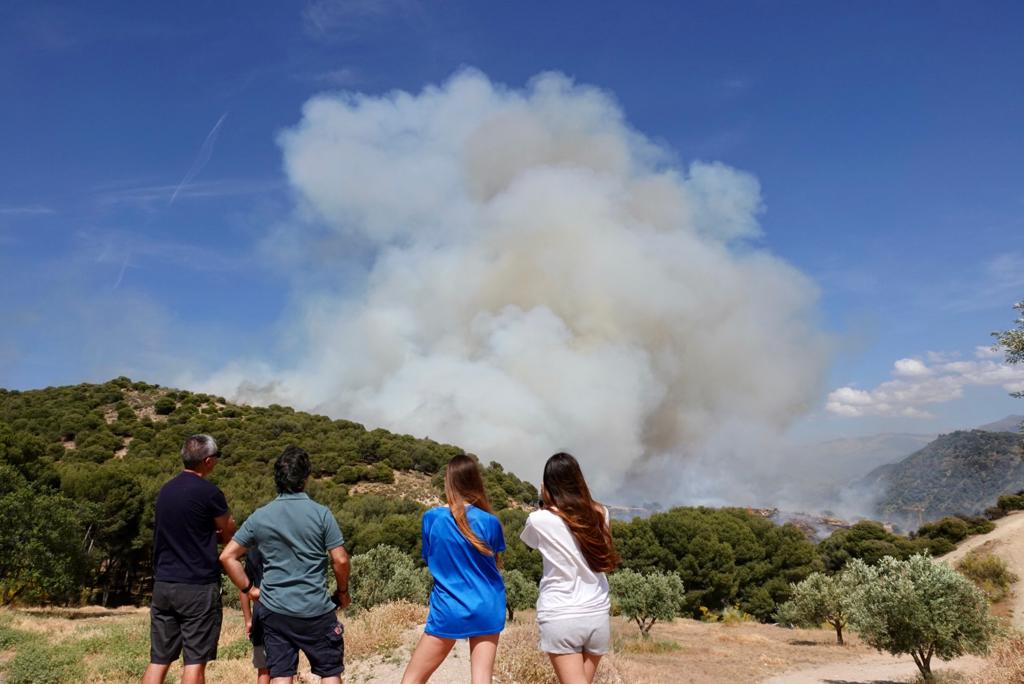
[566, 494]
[463, 485]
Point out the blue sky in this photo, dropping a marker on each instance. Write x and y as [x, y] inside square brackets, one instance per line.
[886, 137]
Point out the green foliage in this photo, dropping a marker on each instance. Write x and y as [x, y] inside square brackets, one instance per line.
[385, 574]
[518, 556]
[989, 573]
[647, 598]
[818, 599]
[921, 608]
[869, 541]
[1010, 502]
[724, 556]
[1012, 341]
[41, 547]
[954, 529]
[59, 438]
[521, 592]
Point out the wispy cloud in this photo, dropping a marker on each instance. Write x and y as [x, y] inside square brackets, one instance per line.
[917, 384]
[346, 19]
[150, 194]
[26, 210]
[205, 152]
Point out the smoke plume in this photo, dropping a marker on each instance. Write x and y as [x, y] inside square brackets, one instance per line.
[538, 276]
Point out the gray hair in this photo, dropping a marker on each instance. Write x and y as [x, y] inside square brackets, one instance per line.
[197, 448]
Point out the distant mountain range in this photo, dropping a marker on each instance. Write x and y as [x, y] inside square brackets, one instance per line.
[961, 472]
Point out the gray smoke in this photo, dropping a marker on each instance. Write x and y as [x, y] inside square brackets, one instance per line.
[539, 276]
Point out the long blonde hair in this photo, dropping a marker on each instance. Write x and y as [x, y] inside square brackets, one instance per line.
[464, 485]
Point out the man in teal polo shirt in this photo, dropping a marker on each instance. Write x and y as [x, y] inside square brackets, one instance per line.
[296, 536]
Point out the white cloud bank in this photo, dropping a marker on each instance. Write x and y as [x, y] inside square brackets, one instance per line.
[917, 385]
[541, 278]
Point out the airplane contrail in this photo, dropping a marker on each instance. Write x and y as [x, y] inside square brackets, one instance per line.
[205, 152]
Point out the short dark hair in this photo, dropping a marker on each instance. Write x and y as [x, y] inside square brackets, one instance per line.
[291, 469]
[196, 449]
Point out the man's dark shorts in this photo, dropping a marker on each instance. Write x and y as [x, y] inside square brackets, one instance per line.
[320, 638]
[184, 616]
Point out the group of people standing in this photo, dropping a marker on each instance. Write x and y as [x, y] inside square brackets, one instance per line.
[279, 559]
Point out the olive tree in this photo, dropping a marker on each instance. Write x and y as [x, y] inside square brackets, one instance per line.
[520, 592]
[820, 598]
[919, 607]
[647, 598]
[1012, 341]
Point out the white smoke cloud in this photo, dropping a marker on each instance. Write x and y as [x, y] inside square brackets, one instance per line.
[541, 277]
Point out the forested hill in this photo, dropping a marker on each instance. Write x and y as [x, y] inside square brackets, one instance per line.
[962, 472]
[91, 458]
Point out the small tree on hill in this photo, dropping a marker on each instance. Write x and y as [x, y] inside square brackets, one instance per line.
[520, 592]
[647, 598]
[920, 607]
[820, 598]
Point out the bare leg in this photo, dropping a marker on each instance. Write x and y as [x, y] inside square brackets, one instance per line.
[194, 674]
[482, 650]
[590, 663]
[336, 679]
[155, 673]
[569, 668]
[429, 654]
[263, 676]
[281, 680]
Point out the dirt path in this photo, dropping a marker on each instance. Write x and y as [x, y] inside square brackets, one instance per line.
[1006, 542]
[876, 669]
[454, 670]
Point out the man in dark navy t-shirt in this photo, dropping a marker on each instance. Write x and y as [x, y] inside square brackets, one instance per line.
[191, 518]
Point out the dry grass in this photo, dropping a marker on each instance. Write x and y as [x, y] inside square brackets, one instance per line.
[1006, 663]
[518, 658]
[380, 630]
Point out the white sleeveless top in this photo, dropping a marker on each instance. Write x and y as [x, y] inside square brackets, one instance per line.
[568, 588]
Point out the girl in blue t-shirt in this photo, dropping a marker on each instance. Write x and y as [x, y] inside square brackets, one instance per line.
[461, 544]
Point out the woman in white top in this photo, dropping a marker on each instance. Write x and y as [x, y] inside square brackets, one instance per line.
[572, 533]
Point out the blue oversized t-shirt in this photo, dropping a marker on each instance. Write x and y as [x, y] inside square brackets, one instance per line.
[468, 598]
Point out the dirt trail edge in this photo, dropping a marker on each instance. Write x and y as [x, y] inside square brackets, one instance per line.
[875, 669]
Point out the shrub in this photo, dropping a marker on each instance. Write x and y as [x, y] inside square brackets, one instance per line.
[647, 598]
[1010, 502]
[385, 574]
[989, 573]
[164, 406]
[521, 592]
[920, 607]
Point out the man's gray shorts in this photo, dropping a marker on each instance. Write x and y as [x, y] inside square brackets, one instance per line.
[184, 617]
[586, 634]
[259, 657]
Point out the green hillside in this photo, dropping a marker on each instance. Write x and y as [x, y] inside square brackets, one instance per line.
[94, 456]
[962, 472]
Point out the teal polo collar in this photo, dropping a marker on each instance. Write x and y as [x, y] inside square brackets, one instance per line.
[293, 495]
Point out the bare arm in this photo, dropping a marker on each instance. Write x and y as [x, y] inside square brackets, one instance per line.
[246, 611]
[230, 560]
[225, 528]
[341, 566]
